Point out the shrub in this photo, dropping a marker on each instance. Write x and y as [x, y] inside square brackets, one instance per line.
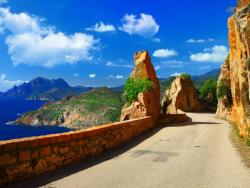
[185, 76]
[224, 90]
[248, 142]
[135, 86]
[208, 92]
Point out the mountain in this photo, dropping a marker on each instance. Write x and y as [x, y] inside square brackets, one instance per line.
[44, 89]
[200, 79]
[96, 107]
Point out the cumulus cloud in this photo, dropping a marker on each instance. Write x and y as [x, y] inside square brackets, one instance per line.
[163, 53]
[176, 74]
[143, 25]
[92, 75]
[112, 64]
[76, 75]
[6, 84]
[199, 40]
[119, 77]
[31, 42]
[101, 28]
[215, 54]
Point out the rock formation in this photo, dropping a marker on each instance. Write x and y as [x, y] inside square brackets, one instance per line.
[182, 96]
[239, 65]
[147, 103]
[223, 108]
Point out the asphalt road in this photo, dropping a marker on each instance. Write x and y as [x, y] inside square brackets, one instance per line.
[197, 154]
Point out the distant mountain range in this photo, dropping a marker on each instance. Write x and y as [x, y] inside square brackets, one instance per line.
[56, 89]
[44, 89]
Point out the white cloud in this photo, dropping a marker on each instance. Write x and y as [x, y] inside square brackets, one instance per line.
[92, 75]
[144, 25]
[215, 54]
[119, 77]
[76, 75]
[112, 64]
[31, 42]
[158, 67]
[163, 53]
[6, 84]
[176, 74]
[101, 28]
[199, 40]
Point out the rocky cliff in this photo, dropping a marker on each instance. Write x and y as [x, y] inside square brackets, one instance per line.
[148, 102]
[182, 96]
[224, 106]
[239, 65]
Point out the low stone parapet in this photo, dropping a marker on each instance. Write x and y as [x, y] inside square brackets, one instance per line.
[23, 158]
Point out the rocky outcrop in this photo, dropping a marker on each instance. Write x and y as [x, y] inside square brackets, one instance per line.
[182, 96]
[148, 102]
[223, 108]
[239, 63]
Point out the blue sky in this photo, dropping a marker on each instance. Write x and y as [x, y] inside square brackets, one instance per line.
[92, 42]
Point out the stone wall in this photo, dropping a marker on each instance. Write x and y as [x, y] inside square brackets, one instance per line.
[23, 158]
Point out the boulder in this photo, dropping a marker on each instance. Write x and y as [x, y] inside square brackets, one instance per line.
[182, 96]
[147, 103]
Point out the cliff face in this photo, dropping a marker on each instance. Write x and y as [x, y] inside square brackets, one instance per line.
[182, 95]
[223, 108]
[147, 103]
[239, 65]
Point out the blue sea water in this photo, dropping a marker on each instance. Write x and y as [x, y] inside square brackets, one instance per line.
[11, 109]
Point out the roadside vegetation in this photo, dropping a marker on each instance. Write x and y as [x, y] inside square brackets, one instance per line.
[208, 92]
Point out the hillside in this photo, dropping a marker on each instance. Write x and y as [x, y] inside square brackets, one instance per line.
[96, 107]
[44, 89]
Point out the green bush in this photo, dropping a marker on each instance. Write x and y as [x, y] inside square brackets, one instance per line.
[248, 142]
[185, 76]
[135, 86]
[208, 92]
[224, 90]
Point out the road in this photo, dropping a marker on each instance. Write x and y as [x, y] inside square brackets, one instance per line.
[197, 154]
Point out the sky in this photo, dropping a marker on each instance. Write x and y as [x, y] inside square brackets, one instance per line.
[92, 42]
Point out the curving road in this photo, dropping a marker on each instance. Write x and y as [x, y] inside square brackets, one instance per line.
[197, 154]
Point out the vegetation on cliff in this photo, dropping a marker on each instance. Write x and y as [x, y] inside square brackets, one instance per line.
[135, 86]
[96, 107]
[224, 90]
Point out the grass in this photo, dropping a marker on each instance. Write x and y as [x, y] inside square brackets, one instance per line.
[242, 145]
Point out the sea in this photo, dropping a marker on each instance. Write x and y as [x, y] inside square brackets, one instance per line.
[11, 109]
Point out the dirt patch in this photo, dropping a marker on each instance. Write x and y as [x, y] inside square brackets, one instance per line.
[241, 146]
